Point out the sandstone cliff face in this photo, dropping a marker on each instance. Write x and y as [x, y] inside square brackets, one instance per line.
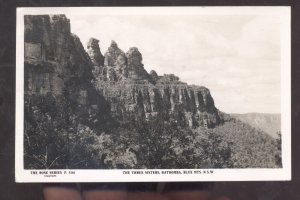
[57, 66]
[115, 84]
[192, 106]
[133, 93]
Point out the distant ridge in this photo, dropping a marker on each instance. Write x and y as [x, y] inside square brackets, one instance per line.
[268, 122]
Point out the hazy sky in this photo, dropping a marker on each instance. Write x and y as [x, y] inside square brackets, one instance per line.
[236, 56]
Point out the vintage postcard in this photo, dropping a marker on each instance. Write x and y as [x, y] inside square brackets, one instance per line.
[138, 94]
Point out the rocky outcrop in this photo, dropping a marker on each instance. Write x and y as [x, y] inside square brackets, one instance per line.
[37, 33]
[135, 66]
[134, 94]
[153, 76]
[57, 67]
[118, 65]
[115, 85]
[114, 62]
[94, 52]
[174, 101]
[114, 65]
[112, 54]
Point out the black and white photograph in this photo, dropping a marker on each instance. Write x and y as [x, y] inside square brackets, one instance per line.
[153, 94]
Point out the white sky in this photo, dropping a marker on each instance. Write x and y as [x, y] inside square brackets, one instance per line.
[236, 56]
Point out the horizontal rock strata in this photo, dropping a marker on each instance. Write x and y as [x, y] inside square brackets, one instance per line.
[115, 83]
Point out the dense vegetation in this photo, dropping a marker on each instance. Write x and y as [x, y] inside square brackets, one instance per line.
[52, 142]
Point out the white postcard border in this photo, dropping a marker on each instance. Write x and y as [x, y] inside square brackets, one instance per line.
[68, 175]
